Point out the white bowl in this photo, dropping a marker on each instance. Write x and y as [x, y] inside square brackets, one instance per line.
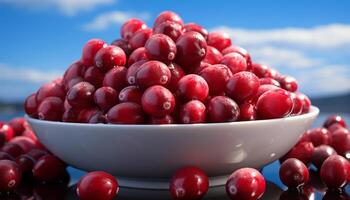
[146, 156]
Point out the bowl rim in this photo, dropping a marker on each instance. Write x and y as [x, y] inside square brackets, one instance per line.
[313, 111]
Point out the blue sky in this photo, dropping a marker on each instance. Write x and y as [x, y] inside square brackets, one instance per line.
[311, 41]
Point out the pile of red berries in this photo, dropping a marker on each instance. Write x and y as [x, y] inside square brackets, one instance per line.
[23, 157]
[171, 73]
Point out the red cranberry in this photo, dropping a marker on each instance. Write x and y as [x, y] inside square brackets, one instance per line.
[51, 109]
[219, 40]
[161, 47]
[123, 44]
[193, 87]
[169, 28]
[48, 168]
[319, 136]
[245, 183]
[91, 116]
[301, 151]
[334, 119]
[94, 76]
[334, 127]
[247, 112]
[138, 55]
[126, 113]
[193, 112]
[213, 56]
[109, 57]
[335, 171]
[97, 185]
[115, 78]
[297, 104]
[6, 156]
[216, 77]
[293, 173]
[90, 49]
[242, 86]
[152, 73]
[130, 94]
[25, 163]
[106, 98]
[130, 27]
[241, 51]
[306, 102]
[158, 101]
[50, 90]
[264, 88]
[132, 70]
[31, 105]
[37, 153]
[260, 70]
[75, 70]
[28, 133]
[195, 27]
[200, 67]
[168, 16]
[73, 82]
[70, 115]
[13, 149]
[81, 95]
[320, 154]
[289, 83]
[176, 74]
[140, 38]
[235, 61]
[274, 104]
[167, 119]
[7, 131]
[189, 183]
[10, 175]
[341, 141]
[25, 143]
[269, 81]
[222, 109]
[191, 49]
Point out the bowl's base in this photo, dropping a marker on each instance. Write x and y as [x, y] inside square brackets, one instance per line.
[163, 184]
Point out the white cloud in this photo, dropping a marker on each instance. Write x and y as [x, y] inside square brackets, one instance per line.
[67, 7]
[324, 37]
[105, 20]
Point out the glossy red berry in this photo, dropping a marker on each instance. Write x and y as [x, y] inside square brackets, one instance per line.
[320, 154]
[169, 28]
[168, 16]
[10, 175]
[289, 83]
[195, 27]
[193, 87]
[260, 70]
[50, 90]
[319, 136]
[90, 49]
[130, 27]
[200, 67]
[216, 76]
[264, 88]
[123, 44]
[25, 163]
[335, 171]
[297, 104]
[167, 119]
[293, 173]
[274, 104]
[37, 153]
[51, 109]
[219, 40]
[191, 49]
[240, 50]
[176, 74]
[189, 183]
[132, 70]
[158, 101]
[235, 61]
[126, 113]
[247, 112]
[115, 78]
[161, 47]
[341, 141]
[7, 131]
[109, 57]
[105, 98]
[18, 125]
[213, 56]
[91, 115]
[31, 105]
[130, 94]
[306, 102]
[301, 151]
[94, 76]
[222, 109]
[75, 70]
[13, 149]
[70, 115]
[269, 81]
[48, 168]
[138, 55]
[152, 73]
[193, 112]
[140, 38]
[25, 143]
[242, 86]
[334, 127]
[81, 95]
[97, 185]
[334, 119]
[245, 183]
